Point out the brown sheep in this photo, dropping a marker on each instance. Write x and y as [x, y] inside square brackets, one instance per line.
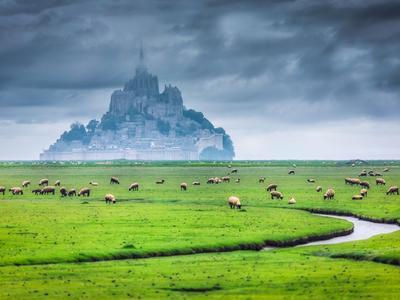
[16, 191]
[364, 192]
[44, 182]
[63, 192]
[2, 189]
[363, 174]
[261, 180]
[71, 192]
[357, 197]
[272, 187]
[36, 191]
[217, 180]
[211, 180]
[392, 190]
[380, 181]
[134, 186]
[319, 189]
[234, 202]
[311, 180]
[226, 179]
[26, 183]
[364, 184]
[160, 181]
[110, 198]
[195, 183]
[84, 192]
[114, 180]
[183, 186]
[291, 172]
[48, 190]
[352, 181]
[330, 194]
[276, 194]
[57, 183]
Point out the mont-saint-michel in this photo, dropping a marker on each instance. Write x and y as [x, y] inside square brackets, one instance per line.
[144, 124]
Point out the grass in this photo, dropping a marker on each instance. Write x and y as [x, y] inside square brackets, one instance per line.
[162, 220]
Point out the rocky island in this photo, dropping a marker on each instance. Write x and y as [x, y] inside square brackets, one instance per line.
[144, 124]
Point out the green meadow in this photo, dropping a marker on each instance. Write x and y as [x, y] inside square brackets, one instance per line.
[80, 247]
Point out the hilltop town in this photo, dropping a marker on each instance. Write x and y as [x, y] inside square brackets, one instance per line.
[144, 124]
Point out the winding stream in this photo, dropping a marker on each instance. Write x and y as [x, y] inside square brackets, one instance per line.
[362, 230]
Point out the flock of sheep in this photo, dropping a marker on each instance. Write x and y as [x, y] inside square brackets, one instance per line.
[233, 201]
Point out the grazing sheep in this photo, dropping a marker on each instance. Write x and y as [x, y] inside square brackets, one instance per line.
[93, 183]
[364, 192]
[291, 172]
[160, 181]
[84, 192]
[195, 183]
[363, 174]
[364, 184]
[352, 181]
[261, 180]
[2, 189]
[226, 179]
[380, 181]
[386, 170]
[44, 182]
[237, 180]
[311, 180]
[276, 194]
[63, 192]
[183, 186]
[16, 191]
[110, 198]
[378, 174]
[292, 201]
[357, 197]
[217, 180]
[234, 171]
[57, 183]
[134, 186]
[71, 192]
[48, 190]
[371, 173]
[318, 189]
[234, 202]
[211, 181]
[272, 187]
[330, 194]
[114, 180]
[392, 190]
[26, 183]
[36, 191]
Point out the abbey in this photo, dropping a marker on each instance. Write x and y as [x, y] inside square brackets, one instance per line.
[144, 124]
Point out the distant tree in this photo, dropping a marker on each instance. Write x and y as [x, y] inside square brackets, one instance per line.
[109, 122]
[77, 132]
[92, 125]
[199, 118]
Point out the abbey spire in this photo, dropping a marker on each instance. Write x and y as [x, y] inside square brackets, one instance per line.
[141, 67]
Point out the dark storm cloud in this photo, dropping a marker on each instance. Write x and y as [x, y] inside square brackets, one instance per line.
[292, 61]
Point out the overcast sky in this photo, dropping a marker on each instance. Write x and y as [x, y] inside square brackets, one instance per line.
[286, 79]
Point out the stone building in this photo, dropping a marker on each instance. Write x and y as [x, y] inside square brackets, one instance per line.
[142, 124]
